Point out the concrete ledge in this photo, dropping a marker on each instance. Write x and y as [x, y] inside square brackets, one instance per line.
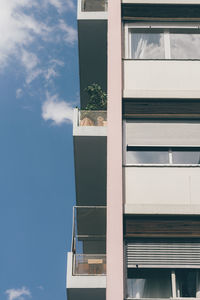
[175, 94]
[161, 209]
[84, 287]
[83, 282]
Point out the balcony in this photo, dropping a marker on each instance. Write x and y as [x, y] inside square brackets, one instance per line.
[92, 41]
[90, 122]
[86, 268]
[89, 133]
[162, 189]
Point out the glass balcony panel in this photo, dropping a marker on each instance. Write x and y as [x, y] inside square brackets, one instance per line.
[89, 240]
[92, 118]
[94, 5]
[89, 264]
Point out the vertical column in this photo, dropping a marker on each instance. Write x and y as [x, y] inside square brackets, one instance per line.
[114, 289]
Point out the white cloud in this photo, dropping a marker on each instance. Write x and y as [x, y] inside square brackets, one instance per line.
[31, 36]
[61, 5]
[70, 33]
[19, 93]
[40, 287]
[57, 110]
[51, 72]
[18, 293]
[29, 60]
[18, 30]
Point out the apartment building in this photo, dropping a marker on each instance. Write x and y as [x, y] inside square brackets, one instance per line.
[136, 224]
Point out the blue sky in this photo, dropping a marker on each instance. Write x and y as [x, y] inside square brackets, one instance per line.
[38, 88]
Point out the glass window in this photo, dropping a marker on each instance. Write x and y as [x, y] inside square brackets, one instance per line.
[185, 44]
[147, 44]
[186, 283]
[162, 155]
[164, 43]
[149, 284]
[159, 283]
[186, 157]
[147, 156]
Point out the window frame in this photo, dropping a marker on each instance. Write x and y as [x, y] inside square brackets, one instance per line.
[169, 149]
[165, 26]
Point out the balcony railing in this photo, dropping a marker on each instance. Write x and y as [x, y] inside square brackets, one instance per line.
[89, 240]
[94, 5]
[92, 118]
[89, 264]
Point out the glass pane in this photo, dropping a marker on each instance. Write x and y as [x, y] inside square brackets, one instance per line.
[186, 157]
[147, 44]
[94, 5]
[186, 283]
[147, 157]
[149, 284]
[185, 44]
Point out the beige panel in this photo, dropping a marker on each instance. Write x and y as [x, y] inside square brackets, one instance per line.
[162, 186]
[162, 133]
[157, 186]
[161, 76]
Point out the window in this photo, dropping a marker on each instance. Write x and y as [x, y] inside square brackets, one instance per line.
[163, 155]
[162, 283]
[152, 42]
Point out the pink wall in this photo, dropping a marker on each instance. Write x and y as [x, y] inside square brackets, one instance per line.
[115, 288]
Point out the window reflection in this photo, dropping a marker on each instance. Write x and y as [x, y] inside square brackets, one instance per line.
[162, 155]
[186, 283]
[185, 44]
[147, 44]
[149, 284]
[186, 157]
[179, 43]
[147, 157]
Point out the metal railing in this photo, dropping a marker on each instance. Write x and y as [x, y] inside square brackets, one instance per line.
[94, 5]
[92, 118]
[88, 239]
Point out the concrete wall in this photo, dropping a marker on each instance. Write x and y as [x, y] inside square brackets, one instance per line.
[172, 190]
[176, 79]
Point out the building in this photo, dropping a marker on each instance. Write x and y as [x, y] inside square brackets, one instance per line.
[137, 218]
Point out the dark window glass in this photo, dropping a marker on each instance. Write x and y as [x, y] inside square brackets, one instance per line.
[186, 283]
[149, 284]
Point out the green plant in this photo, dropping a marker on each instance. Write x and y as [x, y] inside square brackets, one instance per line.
[97, 98]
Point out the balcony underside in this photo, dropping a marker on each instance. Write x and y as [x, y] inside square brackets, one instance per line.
[86, 293]
[92, 35]
[90, 169]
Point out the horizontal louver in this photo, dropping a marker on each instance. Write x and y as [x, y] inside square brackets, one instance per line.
[163, 254]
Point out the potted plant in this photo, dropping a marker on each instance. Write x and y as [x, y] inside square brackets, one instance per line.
[97, 102]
